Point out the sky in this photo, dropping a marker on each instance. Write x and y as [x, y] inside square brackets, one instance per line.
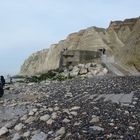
[27, 26]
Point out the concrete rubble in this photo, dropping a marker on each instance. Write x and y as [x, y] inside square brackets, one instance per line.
[85, 70]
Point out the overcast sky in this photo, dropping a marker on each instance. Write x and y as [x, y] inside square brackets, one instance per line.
[27, 26]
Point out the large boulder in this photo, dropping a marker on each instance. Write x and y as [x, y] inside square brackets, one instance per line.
[83, 71]
[75, 71]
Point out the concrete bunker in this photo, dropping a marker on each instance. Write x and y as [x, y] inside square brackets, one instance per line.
[74, 57]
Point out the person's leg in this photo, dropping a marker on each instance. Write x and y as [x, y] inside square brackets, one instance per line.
[1, 91]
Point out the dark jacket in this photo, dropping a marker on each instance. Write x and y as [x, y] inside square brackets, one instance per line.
[2, 81]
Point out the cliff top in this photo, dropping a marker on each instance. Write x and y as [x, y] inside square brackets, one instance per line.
[116, 25]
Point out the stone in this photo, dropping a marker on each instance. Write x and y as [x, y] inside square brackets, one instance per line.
[81, 66]
[57, 138]
[70, 116]
[97, 128]
[100, 73]
[66, 111]
[18, 127]
[89, 75]
[50, 132]
[84, 113]
[56, 108]
[1, 102]
[73, 113]
[77, 123]
[75, 71]
[61, 131]
[3, 131]
[70, 68]
[36, 114]
[134, 103]
[31, 113]
[66, 73]
[50, 121]
[35, 132]
[109, 136]
[12, 105]
[30, 120]
[16, 137]
[50, 109]
[116, 127]
[126, 112]
[39, 136]
[135, 98]
[88, 65]
[83, 71]
[54, 115]
[45, 117]
[94, 119]
[105, 71]
[66, 120]
[23, 118]
[111, 124]
[93, 64]
[30, 84]
[27, 134]
[10, 124]
[75, 108]
[94, 72]
[69, 94]
[131, 128]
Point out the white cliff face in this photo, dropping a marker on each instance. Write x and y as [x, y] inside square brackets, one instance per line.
[53, 57]
[130, 55]
[91, 38]
[45, 60]
[35, 63]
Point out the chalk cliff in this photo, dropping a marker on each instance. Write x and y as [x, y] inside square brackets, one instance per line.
[35, 63]
[130, 53]
[121, 39]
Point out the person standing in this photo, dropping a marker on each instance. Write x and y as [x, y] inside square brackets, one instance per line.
[2, 84]
[2, 80]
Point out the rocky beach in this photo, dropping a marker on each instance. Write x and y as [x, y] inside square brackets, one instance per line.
[69, 70]
[103, 107]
